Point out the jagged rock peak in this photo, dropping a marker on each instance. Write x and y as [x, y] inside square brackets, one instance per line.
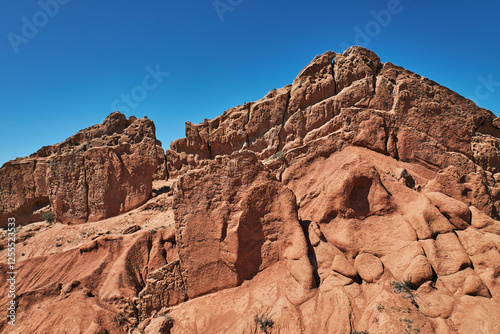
[115, 129]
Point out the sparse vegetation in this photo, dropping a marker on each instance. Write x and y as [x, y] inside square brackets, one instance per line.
[121, 319]
[48, 216]
[271, 93]
[154, 230]
[356, 332]
[58, 244]
[264, 322]
[380, 308]
[279, 155]
[168, 317]
[87, 232]
[405, 288]
[409, 326]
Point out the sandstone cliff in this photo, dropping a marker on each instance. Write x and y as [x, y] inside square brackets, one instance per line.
[353, 99]
[100, 172]
[362, 198]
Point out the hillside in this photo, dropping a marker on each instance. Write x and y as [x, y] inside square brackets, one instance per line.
[361, 198]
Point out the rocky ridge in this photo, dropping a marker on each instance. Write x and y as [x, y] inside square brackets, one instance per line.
[100, 172]
[361, 198]
[347, 99]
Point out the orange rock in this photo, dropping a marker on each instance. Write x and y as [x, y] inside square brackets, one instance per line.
[233, 221]
[340, 203]
[341, 265]
[419, 271]
[457, 212]
[446, 254]
[100, 172]
[434, 302]
[369, 267]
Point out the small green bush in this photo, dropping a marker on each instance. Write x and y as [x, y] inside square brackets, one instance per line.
[48, 216]
[405, 288]
[278, 155]
[168, 317]
[121, 319]
[154, 230]
[264, 322]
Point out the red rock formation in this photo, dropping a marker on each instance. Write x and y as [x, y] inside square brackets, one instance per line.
[234, 220]
[339, 100]
[101, 171]
[361, 198]
[372, 232]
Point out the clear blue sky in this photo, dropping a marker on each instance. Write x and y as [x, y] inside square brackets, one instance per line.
[68, 70]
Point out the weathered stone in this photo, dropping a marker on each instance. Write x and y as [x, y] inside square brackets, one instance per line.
[100, 172]
[332, 205]
[369, 267]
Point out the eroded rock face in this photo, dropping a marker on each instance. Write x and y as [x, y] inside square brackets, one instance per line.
[391, 173]
[360, 198]
[354, 99]
[233, 220]
[100, 172]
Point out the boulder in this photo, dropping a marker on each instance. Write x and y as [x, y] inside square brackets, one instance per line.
[369, 267]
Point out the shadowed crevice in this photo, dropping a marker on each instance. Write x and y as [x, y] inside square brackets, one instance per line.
[311, 253]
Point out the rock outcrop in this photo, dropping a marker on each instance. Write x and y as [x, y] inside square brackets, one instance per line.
[362, 198]
[353, 99]
[100, 172]
[233, 220]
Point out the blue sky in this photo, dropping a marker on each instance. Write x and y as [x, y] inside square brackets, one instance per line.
[66, 64]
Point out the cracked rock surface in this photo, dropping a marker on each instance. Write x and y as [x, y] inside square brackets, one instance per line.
[360, 198]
